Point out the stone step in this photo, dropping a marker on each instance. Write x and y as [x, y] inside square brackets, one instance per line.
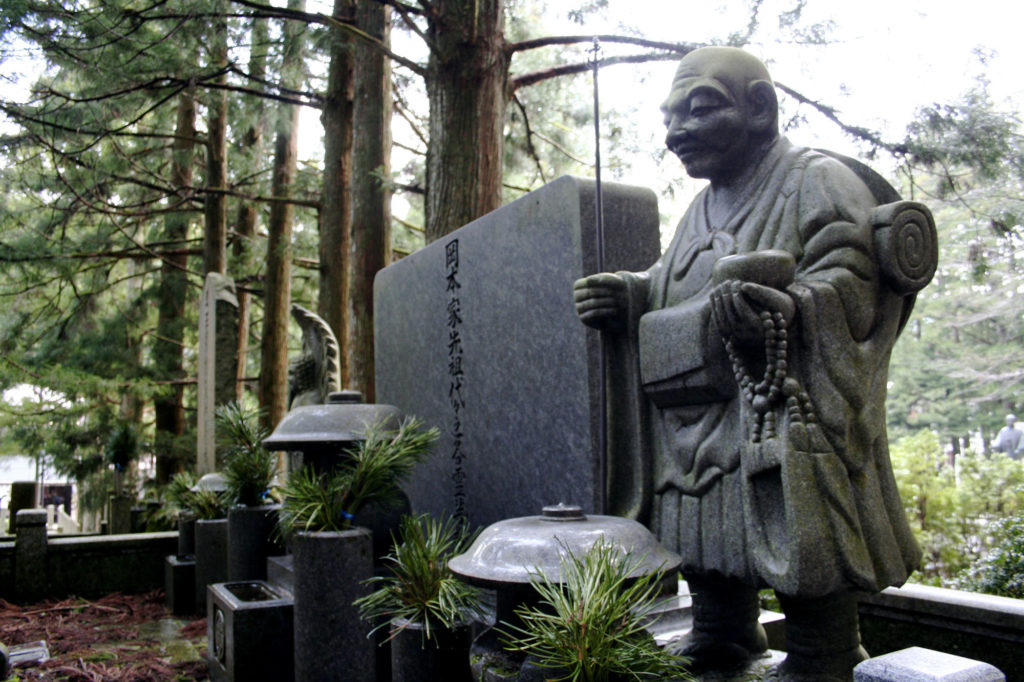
[280, 573]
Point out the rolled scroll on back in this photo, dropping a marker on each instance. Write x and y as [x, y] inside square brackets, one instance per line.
[906, 244]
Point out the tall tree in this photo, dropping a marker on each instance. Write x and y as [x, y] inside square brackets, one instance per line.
[169, 345]
[251, 149]
[335, 197]
[467, 83]
[277, 290]
[371, 205]
[215, 236]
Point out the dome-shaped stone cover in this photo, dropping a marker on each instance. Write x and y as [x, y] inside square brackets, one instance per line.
[343, 419]
[516, 551]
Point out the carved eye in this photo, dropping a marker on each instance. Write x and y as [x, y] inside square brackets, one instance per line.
[702, 104]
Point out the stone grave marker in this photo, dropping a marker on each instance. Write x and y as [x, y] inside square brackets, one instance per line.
[218, 362]
[477, 335]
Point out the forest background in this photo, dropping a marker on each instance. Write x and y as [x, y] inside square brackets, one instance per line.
[299, 148]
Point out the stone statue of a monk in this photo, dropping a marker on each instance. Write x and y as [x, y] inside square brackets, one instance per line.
[747, 372]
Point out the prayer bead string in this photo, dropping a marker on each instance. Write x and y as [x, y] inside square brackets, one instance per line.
[765, 394]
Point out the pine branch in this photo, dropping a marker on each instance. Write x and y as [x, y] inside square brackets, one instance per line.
[679, 49]
[856, 131]
[332, 21]
[530, 150]
[535, 77]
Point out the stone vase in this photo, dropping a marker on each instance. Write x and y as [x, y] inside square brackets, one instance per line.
[330, 638]
[250, 530]
[186, 535]
[211, 556]
[444, 657]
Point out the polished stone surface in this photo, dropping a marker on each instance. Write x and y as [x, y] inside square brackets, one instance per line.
[476, 334]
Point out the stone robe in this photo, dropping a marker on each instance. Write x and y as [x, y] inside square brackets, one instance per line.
[814, 509]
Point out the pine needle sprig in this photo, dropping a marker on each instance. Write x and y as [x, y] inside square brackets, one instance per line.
[420, 587]
[370, 471]
[249, 468]
[205, 505]
[589, 628]
[310, 503]
[374, 468]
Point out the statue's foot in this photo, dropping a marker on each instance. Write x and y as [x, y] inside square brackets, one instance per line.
[836, 667]
[706, 653]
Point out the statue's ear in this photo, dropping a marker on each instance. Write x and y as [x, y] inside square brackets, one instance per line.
[763, 106]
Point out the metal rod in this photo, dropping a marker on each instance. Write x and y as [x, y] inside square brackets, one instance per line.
[602, 391]
[598, 198]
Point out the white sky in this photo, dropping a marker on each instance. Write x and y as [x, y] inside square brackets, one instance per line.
[884, 60]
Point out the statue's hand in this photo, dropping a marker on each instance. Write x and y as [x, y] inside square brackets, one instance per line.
[737, 308]
[601, 300]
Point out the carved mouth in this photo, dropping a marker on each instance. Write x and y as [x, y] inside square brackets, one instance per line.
[683, 147]
[684, 151]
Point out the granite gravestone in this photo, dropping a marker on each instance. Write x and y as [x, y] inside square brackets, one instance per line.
[476, 334]
[218, 362]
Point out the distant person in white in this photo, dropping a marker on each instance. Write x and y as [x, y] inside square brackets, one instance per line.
[1010, 440]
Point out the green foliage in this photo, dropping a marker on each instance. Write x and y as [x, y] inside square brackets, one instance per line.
[966, 141]
[249, 468]
[178, 489]
[589, 628]
[420, 588]
[959, 365]
[122, 446]
[207, 504]
[1001, 572]
[954, 507]
[370, 471]
[182, 495]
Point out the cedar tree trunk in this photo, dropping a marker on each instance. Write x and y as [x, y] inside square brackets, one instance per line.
[277, 297]
[168, 347]
[371, 198]
[336, 207]
[467, 83]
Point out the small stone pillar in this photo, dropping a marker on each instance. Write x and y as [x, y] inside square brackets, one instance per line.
[917, 664]
[30, 555]
[218, 363]
[23, 496]
[119, 514]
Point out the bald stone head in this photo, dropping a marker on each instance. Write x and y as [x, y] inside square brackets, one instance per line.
[721, 114]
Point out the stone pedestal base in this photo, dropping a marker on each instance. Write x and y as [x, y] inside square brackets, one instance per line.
[249, 632]
[180, 585]
[211, 556]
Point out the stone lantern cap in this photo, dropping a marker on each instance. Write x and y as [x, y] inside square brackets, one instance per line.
[516, 551]
[212, 481]
[341, 421]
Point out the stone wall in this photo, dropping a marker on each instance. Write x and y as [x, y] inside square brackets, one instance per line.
[38, 567]
[977, 626]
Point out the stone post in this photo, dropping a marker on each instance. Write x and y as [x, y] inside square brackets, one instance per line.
[119, 514]
[917, 664]
[30, 555]
[23, 496]
[218, 362]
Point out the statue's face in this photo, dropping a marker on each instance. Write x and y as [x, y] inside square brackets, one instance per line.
[708, 121]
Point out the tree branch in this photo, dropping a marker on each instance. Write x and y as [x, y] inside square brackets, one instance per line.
[332, 21]
[529, 138]
[855, 131]
[679, 49]
[568, 69]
